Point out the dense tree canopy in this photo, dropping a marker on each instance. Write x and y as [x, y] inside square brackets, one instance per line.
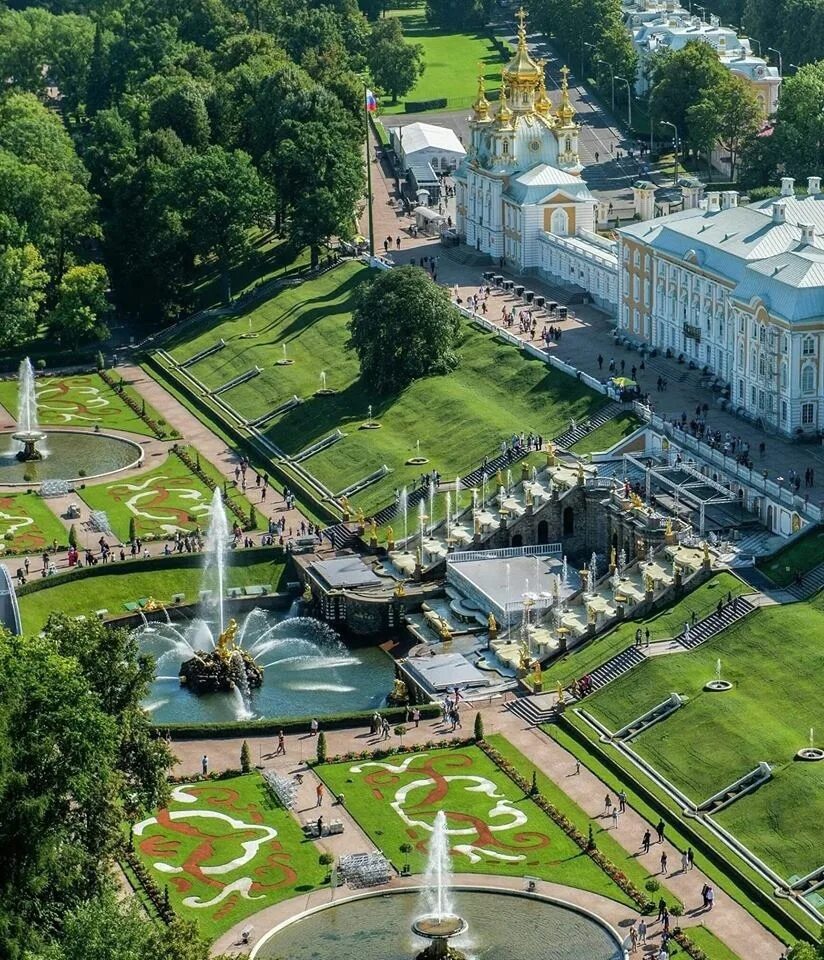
[76, 759]
[403, 327]
[794, 146]
[395, 65]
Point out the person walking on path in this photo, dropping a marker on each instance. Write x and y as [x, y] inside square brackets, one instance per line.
[685, 862]
[660, 830]
[690, 857]
[662, 908]
[281, 750]
[642, 931]
[313, 727]
[710, 897]
[615, 817]
[633, 939]
[607, 805]
[622, 801]
[204, 765]
[663, 861]
[319, 795]
[646, 841]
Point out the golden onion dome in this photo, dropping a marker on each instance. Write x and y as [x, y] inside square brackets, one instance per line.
[543, 104]
[522, 69]
[504, 115]
[481, 104]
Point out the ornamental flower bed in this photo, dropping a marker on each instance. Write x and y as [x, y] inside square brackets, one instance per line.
[201, 474]
[645, 905]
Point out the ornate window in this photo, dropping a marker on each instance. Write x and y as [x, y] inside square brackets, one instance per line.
[808, 347]
[808, 378]
[560, 222]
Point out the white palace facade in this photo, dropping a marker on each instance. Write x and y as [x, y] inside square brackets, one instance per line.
[738, 291]
[519, 193]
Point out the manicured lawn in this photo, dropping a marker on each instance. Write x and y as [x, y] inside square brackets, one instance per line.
[270, 257]
[606, 843]
[774, 660]
[222, 822]
[663, 626]
[608, 434]
[451, 64]
[803, 555]
[80, 400]
[496, 828]
[27, 525]
[495, 392]
[163, 500]
[134, 579]
[708, 942]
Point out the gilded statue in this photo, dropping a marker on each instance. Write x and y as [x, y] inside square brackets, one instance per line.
[151, 605]
[361, 516]
[344, 503]
[492, 624]
[400, 589]
[307, 593]
[226, 642]
[649, 583]
[668, 527]
[550, 455]
[592, 614]
[613, 559]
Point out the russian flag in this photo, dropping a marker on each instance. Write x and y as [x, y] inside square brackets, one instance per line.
[371, 102]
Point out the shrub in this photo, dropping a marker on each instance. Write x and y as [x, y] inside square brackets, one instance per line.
[41, 364]
[72, 536]
[132, 529]
[479, 726]
[326, 859]
[533, 787]
[322, 747]
[245, 757]
[652, 885]
[252, 517]
[100, 360]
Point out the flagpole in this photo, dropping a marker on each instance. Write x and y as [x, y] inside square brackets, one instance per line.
[368, 175]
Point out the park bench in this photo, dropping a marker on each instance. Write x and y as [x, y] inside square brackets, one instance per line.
[256, 590]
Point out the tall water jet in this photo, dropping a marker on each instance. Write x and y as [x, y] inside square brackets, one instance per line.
[217, 540]
[440, 923]
[28, 433]
[404, 504]
[227, 666]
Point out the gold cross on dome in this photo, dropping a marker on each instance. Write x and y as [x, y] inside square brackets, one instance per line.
[521, 17]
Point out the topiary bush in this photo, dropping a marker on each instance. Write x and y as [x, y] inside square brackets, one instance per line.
[245, 757]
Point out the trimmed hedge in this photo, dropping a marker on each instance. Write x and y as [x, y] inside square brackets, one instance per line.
[418, 106]
[271, 726]
[174, 561]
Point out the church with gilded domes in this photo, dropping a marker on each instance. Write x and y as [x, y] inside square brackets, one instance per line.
[520, 185]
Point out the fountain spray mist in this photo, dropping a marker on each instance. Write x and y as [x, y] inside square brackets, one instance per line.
[439, 871]
[217, 538]
[27, 421]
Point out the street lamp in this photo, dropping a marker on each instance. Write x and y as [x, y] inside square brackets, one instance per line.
[702, 9]
[666, 123]
[629, 100]
[780, 61]
[583, 45]
[795, 67]
[753, 40]
[651, 126]
[612, 76]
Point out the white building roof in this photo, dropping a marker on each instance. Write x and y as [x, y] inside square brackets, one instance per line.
[425, 136]
[745, 245]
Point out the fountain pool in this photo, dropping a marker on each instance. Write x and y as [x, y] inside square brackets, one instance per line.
[307, 670]
[70, 455]
[499, 925]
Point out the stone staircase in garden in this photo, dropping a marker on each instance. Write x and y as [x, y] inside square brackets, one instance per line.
[532, 710]
[717, 621]
[616, 667]
[813, 582]
[588, 426]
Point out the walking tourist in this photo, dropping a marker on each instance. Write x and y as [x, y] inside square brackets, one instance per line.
[281, 750]
[204, 765]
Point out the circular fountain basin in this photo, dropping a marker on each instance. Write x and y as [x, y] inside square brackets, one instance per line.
[498, 924]
[718, 686]
[307, 670]
[810, 753]
[439, 928]
[67, 455]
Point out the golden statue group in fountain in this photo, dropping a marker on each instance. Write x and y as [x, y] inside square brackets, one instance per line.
[222, 668]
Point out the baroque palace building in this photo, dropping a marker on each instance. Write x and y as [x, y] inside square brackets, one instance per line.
[519, 193]
[737, 290]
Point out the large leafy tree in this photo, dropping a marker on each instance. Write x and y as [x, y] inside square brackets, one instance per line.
[221, 197]
[403, 327]
[684, 78]
[22, 288]
[459, 14]
[395, 65]
[728, 115]
[795, 145]
[80, 312]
